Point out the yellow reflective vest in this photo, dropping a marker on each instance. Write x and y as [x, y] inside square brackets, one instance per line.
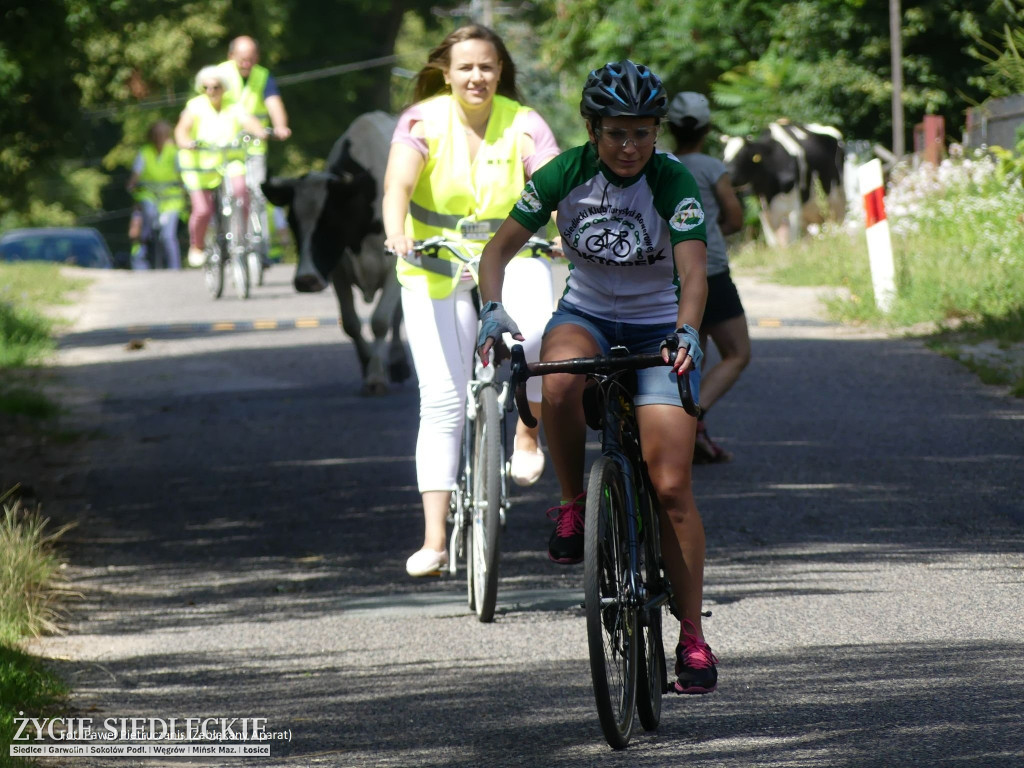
[248, 94]
[457, 198]
[201, 168]
[160, 180]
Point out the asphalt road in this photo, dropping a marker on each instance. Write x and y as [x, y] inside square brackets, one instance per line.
[244, 516]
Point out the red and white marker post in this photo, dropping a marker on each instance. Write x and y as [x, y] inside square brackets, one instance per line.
[883, 273]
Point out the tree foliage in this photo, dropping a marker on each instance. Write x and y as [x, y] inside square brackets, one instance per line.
[81, 80]
[809, 60]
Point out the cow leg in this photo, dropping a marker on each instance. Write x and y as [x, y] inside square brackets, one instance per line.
[784, 215]
[390, 307]
[837, 203]
[767, 225]
[350, 322]
[377, 381]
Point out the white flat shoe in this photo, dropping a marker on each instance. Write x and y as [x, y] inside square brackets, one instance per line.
[426, 562]
[196, 257]
[526, 467]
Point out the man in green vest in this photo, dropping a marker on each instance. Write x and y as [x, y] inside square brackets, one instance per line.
[253, 87]
[160, 198]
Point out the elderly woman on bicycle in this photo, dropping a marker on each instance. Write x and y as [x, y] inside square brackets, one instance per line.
[210, 119]
[616, 189]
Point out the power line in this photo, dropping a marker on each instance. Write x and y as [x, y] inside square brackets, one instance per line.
[282, 81]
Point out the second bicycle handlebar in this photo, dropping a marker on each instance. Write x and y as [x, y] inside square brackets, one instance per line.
[522, 370]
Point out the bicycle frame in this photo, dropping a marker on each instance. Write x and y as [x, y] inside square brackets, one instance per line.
[620, 443]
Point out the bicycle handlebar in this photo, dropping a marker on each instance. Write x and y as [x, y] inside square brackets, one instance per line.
[242, 142]
[603, 364]
[432, 245]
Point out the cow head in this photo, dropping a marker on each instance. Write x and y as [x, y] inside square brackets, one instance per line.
[762, 164]
[328, 212]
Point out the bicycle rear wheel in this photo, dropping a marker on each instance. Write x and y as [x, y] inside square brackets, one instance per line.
[651, 677]
[486, 504]
[236, 244]
[611, 620]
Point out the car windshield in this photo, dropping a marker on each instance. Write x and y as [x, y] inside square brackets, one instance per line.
[78, 250]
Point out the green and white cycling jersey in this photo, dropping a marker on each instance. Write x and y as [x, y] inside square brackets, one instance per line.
[617, 233]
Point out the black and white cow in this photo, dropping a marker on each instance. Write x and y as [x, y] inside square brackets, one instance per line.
[781, 167]
[334, 216]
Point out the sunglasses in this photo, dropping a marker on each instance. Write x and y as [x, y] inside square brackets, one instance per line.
[641, 138]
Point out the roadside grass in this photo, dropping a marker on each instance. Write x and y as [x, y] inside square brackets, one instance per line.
[958, 245]
[30, 591]
[26, 330]
[26, 685]
[31, 580]
[32, 583]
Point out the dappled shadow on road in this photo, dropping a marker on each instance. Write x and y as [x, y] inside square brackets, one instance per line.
[820, 706]
[254, 492]
[279, 488]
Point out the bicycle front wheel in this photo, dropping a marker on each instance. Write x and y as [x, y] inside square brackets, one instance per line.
[486, 504]
[216, 251]
[611, 619]
[255, 265]
[651, 678]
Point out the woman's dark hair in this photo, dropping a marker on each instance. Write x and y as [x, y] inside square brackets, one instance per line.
[430, 80]
[686, 135]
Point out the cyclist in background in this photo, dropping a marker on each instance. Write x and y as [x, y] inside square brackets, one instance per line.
[211, 119]
[646, 299]
[459, 158]
[253, 87]
[689, 120]
[155, 182]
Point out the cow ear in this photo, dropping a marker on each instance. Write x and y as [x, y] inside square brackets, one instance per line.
[278, 191]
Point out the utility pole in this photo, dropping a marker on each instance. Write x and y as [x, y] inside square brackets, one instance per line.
[896, 51]
[482, 10]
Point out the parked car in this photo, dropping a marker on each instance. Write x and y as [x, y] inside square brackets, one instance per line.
[77, 246]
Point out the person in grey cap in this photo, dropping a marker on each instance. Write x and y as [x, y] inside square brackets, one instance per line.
[689, 120]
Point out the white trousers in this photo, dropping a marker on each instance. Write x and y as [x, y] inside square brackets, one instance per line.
[442, 338]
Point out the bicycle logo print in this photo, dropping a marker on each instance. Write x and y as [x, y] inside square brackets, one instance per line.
[616, 242]
[619, 239]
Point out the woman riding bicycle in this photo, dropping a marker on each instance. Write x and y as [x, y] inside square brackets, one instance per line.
[617, 183]
[155, 182]
[459, 158]
[210, 119]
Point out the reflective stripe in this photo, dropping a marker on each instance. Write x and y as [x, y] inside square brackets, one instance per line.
[434, 264]
[471, 229]
[432, 218]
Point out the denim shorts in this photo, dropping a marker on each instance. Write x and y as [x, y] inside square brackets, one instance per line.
[654, 385]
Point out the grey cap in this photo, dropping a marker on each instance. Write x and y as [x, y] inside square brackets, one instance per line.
[689, 104]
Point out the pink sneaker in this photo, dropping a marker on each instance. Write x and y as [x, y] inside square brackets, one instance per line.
[566, 543]
[695, 664]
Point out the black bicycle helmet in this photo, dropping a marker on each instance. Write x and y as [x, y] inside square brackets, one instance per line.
[622, 88]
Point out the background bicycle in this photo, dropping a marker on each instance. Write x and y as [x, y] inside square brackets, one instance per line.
[228, 237]
[625, 588]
